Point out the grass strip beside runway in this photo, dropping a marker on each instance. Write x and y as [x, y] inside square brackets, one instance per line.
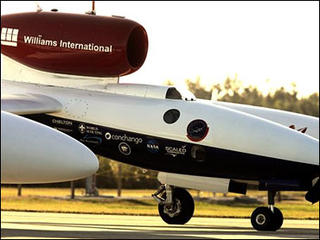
[139, 203]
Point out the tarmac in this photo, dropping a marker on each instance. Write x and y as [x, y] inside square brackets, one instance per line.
[36, 225]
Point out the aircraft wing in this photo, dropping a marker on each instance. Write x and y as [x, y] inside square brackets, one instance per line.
[29, 104]
[35, 153]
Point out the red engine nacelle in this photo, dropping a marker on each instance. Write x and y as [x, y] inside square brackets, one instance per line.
[77, 44]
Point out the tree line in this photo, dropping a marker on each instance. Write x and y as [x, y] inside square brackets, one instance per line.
[233, 91]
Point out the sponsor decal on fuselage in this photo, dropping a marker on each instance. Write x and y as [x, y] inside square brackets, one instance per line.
[188, 156]
[93, 130]
[124, 148]
[123, 138]
[62, 125]
[62, 122]
[174, 151]
[197, 130]
[91, 139]
[83, 128]
[9, 37]
[65, 130]
[39, 40]
[153, 146]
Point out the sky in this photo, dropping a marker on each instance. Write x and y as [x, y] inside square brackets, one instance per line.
[264, 44]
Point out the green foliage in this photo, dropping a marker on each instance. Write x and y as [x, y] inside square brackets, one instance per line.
[233, 91]
[197, 90]
[131, 177]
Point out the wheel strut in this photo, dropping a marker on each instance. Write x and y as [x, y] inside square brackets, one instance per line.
[175, 205]
[156, 196]
[271, 195]
[267, 218]
[164, 188]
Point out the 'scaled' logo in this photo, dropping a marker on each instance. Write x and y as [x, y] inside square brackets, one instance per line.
[9, 36]
[174, 151]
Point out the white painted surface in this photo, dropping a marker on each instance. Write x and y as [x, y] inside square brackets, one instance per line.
[140, 90]
[208, 184]
[279, 116]
[29, 104]
[229, 129]
[34, 153]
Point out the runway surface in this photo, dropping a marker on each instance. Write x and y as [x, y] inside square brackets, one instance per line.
[59, 225]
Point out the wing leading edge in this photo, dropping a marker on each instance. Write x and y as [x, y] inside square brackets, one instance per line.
[29, 104]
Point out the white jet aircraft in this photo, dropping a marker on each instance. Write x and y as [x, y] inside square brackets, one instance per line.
[196, 144]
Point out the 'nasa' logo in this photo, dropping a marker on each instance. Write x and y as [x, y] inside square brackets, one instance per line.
[153, 146]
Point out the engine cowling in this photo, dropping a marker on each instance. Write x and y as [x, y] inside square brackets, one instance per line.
[77, 44]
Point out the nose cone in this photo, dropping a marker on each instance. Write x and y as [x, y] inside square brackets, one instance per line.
[34, 153]
[246, 133]
[77, 161]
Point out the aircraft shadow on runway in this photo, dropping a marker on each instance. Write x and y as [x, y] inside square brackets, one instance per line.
[116, 231]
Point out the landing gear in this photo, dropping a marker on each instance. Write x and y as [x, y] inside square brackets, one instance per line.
[175, 206]
[267, 218]
[263, 219]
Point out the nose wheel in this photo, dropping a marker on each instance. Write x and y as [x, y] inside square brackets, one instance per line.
[267, 218]
[263, 219]
[175, 205]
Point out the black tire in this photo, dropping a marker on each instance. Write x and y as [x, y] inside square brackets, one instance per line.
[262, 219]
[277, 219]
[186, 206]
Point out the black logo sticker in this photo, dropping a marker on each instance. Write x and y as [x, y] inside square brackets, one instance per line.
[153, 146]
[197, 130]
[82, 128]
[124, 148]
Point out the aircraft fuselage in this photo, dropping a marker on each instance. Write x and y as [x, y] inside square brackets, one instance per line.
[180, 136]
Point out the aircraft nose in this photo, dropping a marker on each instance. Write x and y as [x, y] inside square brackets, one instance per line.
[79, 161]
[34, 153]
[69, 159]
[250, 134]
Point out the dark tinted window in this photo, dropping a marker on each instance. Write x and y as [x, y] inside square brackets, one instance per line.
[173, 93]
[171, 116]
